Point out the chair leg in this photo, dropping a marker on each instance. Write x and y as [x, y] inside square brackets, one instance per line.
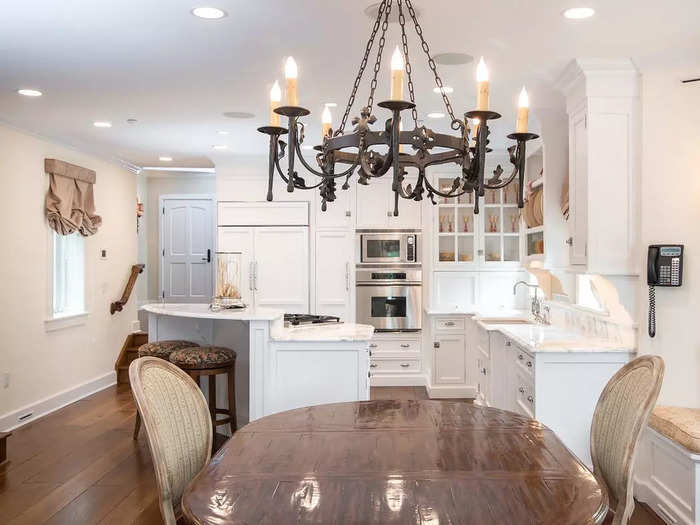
[212, 400]
[137, 424]
[232, 399]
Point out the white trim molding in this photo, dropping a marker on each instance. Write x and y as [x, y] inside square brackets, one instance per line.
[45, 406]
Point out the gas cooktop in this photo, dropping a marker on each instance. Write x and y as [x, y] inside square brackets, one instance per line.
[303, 319]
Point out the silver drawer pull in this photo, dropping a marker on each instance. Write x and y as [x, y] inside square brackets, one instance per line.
[373, 365]
[530, 399]
[449, 323]
[405, 345]
[521, 390]
[373, 345]
[520, 356]
[405, 365]
[529, 364]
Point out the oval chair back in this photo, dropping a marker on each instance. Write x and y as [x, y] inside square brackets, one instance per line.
[177, 421]
[620, 417]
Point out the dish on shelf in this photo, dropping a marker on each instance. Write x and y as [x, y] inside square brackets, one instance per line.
[466, 257]
[447, 256]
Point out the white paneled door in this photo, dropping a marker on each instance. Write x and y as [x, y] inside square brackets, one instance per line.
[334, 269]
[187, 249]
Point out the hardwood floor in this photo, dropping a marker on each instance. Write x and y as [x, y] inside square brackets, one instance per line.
[79, 465]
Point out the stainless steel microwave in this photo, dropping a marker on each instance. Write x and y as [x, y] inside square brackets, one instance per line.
[389, 247]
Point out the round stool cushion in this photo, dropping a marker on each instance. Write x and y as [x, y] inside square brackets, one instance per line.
[201, 357]
[163, 349]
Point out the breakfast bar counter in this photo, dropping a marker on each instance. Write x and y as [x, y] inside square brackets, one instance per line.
[277, 367]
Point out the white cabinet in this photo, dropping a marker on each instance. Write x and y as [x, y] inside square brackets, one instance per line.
[395, 359]
[604, 108]
[274, 267]
[375, 206]
[449, 359]
[334, 274]
[339, 214]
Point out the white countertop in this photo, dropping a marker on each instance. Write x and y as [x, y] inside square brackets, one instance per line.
[483, 313]
[324, 332]
[202, 311]
[547, 338]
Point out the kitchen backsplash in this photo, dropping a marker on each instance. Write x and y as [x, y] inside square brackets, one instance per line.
[593, 324]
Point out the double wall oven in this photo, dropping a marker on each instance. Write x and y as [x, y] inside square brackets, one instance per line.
[389, 281]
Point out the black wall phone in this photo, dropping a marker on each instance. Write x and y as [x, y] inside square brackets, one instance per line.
[664, 268]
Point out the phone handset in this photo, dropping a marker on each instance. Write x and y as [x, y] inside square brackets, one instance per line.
[652, 279]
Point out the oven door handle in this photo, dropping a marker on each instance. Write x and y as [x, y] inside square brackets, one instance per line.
[389, 283]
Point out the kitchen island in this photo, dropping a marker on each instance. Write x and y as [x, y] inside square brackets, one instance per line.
[277, 367]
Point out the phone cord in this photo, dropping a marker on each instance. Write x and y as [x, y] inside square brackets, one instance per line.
[652, 312]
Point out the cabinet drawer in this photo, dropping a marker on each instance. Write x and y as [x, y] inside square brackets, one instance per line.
[525, 393]
[394, 366]
[394, 346]
[524, 361]
[452, 324]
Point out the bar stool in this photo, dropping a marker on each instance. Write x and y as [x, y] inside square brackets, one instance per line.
[161, 349]
[211, 361]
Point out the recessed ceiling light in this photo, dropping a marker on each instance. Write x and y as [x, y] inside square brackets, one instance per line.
[165, 159]
[102, 124]
[578, 13]
[219, 146]
[445, 89]
[331, 105]
[222, 132]
[436, 114]
[453, 59]
[238, 114]
[208, 13]
[373, 10]
[30, 92]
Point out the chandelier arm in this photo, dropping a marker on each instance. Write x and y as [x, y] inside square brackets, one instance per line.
[271, 165]
[296, 184]
[409, 69]
[387, 162]
[363, 65]
[450, 194]
[502, 183]
[321, 173]
[431, 63]
[380, 51]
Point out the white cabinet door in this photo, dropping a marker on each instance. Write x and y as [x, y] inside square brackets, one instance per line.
[373, 203]
[281, 268]
[340, 212]
[578, 182]
[449, 356]
[334, 274]
[239, 240]
[409, 210]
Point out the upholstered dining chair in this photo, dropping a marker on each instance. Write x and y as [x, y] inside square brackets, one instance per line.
[177, 421]
[620, 417]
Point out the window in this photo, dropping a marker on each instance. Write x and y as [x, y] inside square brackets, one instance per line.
[68, 275]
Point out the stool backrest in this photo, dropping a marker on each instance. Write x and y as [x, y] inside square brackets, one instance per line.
[620, 416]
[178, 425]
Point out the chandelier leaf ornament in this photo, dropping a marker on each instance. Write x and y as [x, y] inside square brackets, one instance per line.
[343, 154]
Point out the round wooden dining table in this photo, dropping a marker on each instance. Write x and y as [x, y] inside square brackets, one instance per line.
[404, 461]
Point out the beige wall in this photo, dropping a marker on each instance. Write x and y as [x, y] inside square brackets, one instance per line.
[671, 214]
[164, 184]
[43, 364]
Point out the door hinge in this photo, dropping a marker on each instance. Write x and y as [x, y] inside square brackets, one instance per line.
[163, 210]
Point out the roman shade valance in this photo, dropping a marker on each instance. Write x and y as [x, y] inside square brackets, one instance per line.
[70, 203]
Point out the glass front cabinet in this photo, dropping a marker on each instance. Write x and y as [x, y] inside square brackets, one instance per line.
[465, 240]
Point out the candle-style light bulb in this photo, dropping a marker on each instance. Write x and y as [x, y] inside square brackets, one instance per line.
[275, 99]
[475, 128]
[523, 112]
[290, 75]
[397, 68]
[326, 121]
[482, 79]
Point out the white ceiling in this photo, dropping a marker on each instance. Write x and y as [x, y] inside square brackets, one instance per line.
[153, 61]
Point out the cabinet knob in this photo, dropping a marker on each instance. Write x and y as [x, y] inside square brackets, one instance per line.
[436, 344]
[389, 214]
[530, 399]
[373, 345]
[520, 356]
[570, 241]
[348, 213]
[529, 364]
[405, 345]
[521, 390]
[405, 365]
[507, 343]
[373, 365]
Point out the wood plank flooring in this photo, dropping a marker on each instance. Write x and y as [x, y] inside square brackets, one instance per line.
[79, 465]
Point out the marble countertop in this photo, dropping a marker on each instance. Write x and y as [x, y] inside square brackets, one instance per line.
[547, 338]
[482, 313]
[202, 311]
[326, 332]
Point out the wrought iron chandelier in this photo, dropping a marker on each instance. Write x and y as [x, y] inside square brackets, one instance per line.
[428, 147]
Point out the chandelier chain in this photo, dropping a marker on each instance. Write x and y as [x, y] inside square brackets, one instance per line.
[378, 62]
[431, 62]
[404, 43]
[363, 65]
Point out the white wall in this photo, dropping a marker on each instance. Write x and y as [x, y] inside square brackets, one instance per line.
[43, 364]
[671, 214]
[157, 184]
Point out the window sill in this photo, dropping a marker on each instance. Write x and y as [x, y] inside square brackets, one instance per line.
[65, 321]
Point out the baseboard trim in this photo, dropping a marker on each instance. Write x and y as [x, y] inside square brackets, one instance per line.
[43, 407]
[450, 391]
[398, 380]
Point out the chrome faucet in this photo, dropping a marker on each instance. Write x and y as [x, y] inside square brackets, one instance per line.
[539, 310]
